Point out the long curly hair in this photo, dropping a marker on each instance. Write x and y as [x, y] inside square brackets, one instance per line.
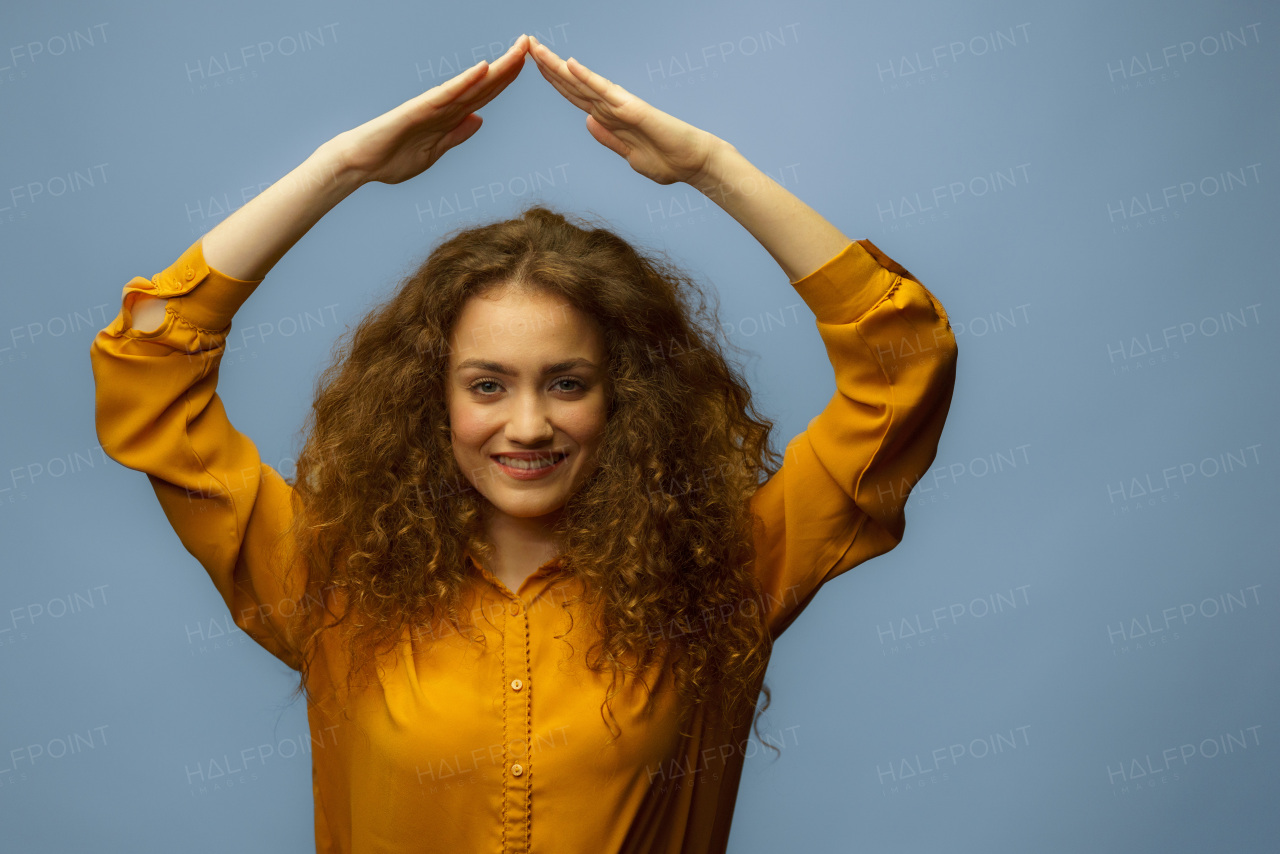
[660, 534]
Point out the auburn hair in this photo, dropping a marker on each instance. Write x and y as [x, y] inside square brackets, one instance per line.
[660, 534]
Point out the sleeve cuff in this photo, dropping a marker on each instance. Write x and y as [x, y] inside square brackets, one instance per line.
[209, 306]
[849, 285]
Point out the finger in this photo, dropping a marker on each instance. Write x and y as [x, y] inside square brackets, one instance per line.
[593, 81]
[570, 80]
[563, 83]
[514, 56]
[490, 87]
[484, 74]
[441, 96]
[497, 77]
[454, 86]
[600, 86]
[549, 62]
[556, 72]
[571, 95]
[539, 51]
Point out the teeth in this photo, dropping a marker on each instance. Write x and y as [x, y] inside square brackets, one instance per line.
[529, 464]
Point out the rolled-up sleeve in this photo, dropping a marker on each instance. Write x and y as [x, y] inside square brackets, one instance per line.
[158, 412]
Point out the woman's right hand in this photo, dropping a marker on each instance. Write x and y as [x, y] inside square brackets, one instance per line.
[404, 142]
[391, 148]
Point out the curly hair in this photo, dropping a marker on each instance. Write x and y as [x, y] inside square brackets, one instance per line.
[660, 534]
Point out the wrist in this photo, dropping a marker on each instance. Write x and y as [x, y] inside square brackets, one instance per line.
[723, 172]
[249, 242]
[330, 166]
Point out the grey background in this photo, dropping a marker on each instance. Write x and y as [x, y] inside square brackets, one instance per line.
[1050, 535]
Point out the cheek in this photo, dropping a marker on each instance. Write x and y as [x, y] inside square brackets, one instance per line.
[587, 425]
[468, 429]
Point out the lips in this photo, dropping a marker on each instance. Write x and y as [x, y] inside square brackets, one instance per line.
[529, 461]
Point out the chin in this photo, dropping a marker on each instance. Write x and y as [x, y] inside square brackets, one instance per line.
[527, 510]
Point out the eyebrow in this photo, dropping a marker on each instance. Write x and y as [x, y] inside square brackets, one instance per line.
[498, 368]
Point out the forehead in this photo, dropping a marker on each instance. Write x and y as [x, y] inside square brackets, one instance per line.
[507, 324]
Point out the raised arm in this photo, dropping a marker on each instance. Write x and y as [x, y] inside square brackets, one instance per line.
[666, 150]
[156, 366]
[391, 148]
[840, 497]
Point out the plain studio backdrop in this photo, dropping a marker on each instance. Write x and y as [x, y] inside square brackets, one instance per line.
[1074, 647]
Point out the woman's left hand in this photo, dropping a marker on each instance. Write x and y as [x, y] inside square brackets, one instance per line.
[657, 145]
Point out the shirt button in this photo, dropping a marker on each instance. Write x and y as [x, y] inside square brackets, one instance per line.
[516, 684]
[515, 608]
[188, 273]
[517, 769]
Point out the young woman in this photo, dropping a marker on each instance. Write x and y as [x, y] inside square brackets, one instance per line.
[538, 547]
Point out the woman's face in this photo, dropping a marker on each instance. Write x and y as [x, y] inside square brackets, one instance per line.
[527, 397]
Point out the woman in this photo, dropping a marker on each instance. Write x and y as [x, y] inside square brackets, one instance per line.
[537, 548]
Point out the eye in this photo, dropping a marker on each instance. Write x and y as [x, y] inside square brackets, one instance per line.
[574, 384]
[475, 386]
[487, 386]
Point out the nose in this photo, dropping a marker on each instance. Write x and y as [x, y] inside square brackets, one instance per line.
[529, 423]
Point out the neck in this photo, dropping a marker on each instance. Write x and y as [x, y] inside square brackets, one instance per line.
[520, 545]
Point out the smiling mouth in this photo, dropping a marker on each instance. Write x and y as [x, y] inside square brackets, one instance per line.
[531, 464]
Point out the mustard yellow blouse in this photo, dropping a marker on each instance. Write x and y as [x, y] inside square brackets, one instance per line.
[460, 747]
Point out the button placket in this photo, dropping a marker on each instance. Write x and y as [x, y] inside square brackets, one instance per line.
[517, 726]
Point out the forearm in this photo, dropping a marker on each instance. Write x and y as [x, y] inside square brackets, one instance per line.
[249, 242]
[796, 235]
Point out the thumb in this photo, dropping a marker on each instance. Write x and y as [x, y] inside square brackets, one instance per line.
[607, 138]
[461, 132]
